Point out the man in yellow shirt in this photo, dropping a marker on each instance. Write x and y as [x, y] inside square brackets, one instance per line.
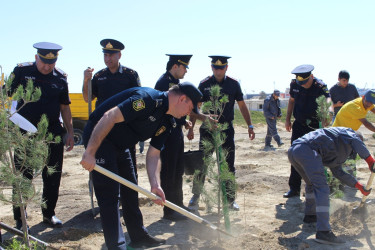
[353, 114]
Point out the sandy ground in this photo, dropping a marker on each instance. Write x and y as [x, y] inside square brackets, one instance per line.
[266, 220]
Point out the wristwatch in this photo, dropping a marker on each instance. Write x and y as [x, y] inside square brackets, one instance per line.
[251, 126]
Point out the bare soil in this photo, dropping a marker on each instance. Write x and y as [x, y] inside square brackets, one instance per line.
[266, 220]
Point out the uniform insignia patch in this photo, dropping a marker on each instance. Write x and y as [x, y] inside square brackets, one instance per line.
[139, 105]
[160, 131]
[151, 118]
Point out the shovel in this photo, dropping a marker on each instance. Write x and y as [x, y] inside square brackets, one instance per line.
[154, 197]
[364, 198]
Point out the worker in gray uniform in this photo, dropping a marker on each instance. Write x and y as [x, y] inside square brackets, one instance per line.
[309, 154]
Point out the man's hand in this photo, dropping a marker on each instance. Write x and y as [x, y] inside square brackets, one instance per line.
[159, 192]
[339, 104]
[69, 142]
[370, 161]
[190, 134]
[188, 124]
[288, 125]
[87, 74]
[251, 133]
[363, 190]
[88, 161]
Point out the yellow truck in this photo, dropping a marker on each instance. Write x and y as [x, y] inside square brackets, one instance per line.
[80, 115]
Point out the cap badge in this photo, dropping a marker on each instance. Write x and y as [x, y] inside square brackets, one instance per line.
[109, 46]
[50, 55]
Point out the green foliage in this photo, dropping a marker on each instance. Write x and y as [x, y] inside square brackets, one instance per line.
[322, 111]
[257, 117]
[216, 168]
[31, 150]
[19, 245]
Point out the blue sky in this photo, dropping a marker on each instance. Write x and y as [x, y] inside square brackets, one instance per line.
[266, 39]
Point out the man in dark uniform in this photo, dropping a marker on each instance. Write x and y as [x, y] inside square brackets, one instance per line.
[272, 112]
[231, 87]
[131, 116]
[172, 168]
[105, 84]
[304, 90]
[309, 154]
[111, 80]
[53, 101]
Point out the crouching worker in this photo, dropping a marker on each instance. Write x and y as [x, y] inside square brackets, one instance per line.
[309, 154]
[120, 122]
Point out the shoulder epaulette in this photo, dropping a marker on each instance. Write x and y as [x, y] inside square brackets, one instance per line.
[230, 77]
[319, 82]
[61, 71]
[25, 64]
[128, 70]
[206, 79]
[100, 72]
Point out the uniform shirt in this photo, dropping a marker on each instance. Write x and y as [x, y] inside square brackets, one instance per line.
[105, 84]
[343, 94]
[229, 87]
[334, 145]
[350, 113]
[54, 87]
[271, 107]
[144, 111]
[163, 84]
[305, 105]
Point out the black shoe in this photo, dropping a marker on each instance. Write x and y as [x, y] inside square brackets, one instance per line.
[309, 219]
[52, 221]
[234, 206]
[147, 241]
[187, 209]
[194, 200]
[280, 144]
[291, 193]
[19, 226]
[327, 237]
[174, 216]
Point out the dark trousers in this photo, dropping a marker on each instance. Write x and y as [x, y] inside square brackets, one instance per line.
[298, 130]
[51, 182]
[107, 192]
[172, 168]
[229, 146]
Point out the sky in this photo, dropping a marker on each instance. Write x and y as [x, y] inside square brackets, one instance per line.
[266, 39]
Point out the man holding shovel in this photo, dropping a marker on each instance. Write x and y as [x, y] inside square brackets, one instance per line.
[123, 120]
[309, 154]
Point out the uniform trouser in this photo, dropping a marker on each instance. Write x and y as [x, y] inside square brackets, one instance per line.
[298, 130]
[229, 146]
[172, 168]
[51, 182]
[309, 165]
[107, 193]
[272, 132]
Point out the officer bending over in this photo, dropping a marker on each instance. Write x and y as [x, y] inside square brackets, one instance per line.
[121, 121]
